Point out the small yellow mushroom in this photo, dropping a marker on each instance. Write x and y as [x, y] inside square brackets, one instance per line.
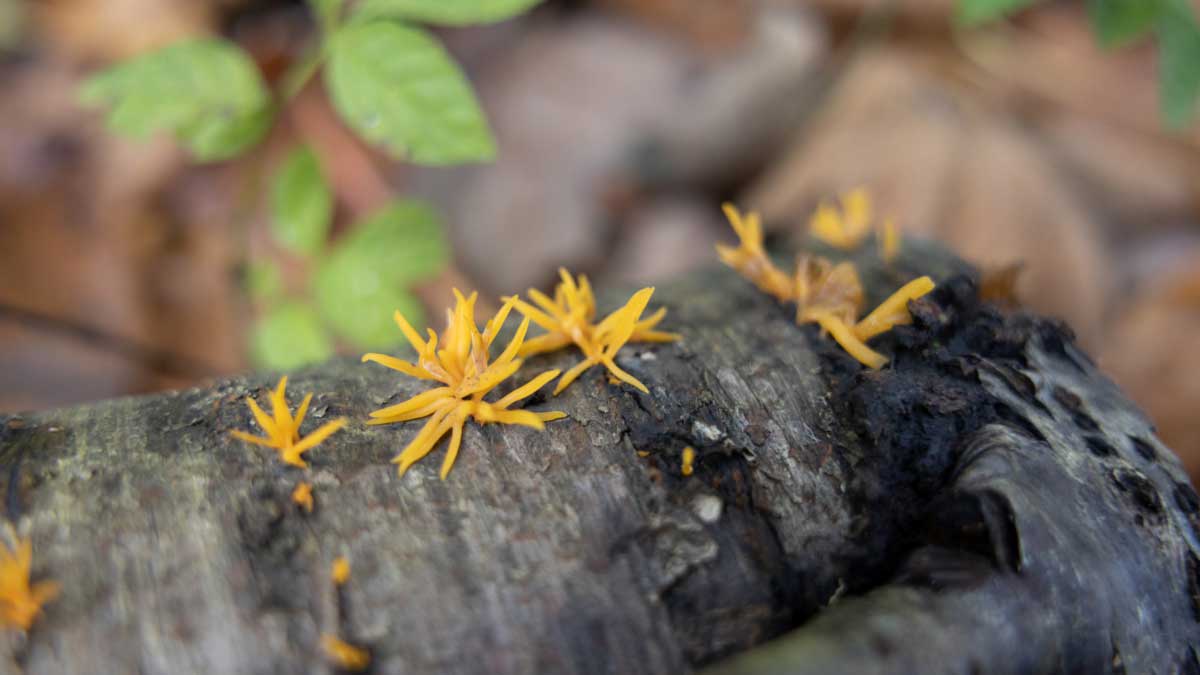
[749, 258]
[343, 654]
[893, 311]
[467, 373]
[844, 336]
[845, 228]
[302, 496]
[824, 287]
[570, 319]
[20, 602]
[827, 294]
[339, 571]
[283, 432]
[689, 456]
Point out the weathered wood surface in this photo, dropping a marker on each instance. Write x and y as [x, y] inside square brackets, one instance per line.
[988, 503]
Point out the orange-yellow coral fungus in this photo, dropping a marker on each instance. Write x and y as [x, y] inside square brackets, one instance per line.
[21, 603]
[339, 571]
[568, 319]
[343, 654]
[844, 336]
[689, 457]
[827, 294]
[283, 432]
[466, 373]
[843, 228]
[822, 286]
[893, 311]
[749, 258]
[302, 496]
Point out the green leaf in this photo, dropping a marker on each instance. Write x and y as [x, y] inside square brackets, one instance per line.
[448, 12]
[973, 12]
[208, 92]
[395, 86]
[290, 336]
[213, 139]
[301, 203]
[327, 11]
[364, 279]
[263, 280]
[402, 244]
[1119, 22]
[1179, 63]
[358, 305]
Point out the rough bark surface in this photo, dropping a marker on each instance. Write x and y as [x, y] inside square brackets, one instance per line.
[988, 503]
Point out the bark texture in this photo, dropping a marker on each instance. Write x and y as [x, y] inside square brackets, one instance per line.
[988, 503]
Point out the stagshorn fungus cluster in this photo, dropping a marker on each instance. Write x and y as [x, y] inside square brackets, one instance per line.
[466, 373]
[827, 294]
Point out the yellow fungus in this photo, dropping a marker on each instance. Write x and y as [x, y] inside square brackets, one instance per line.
[825, 293]
[21, 603]
[467, 373]
[689, 456]
[302, 496]
[888, 238]
[844, 335]
[643, 453]
[749, 258]
[893, 311]
[843, 228]
[822, 286]
[283, 432]
[569, 319]
[343, 654]
[339, 571]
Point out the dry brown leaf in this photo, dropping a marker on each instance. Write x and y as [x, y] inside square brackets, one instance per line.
[109, 30]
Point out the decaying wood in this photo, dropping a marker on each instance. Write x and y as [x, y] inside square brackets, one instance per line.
[988, 503]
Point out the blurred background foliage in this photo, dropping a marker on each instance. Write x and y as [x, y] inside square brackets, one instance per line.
[299, 170]
[390, 82]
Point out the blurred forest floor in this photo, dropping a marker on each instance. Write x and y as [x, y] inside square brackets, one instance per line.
[622, 125]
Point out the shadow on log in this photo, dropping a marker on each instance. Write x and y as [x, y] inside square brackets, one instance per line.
[987, 503]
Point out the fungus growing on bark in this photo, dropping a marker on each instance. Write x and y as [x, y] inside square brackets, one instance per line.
[568, 319]
[843, 228]
[339, 571]
[893, 311]
[20, 602]
[283, 431]
[750, 259]
[847, 227]
[302, 496]
[825, 288]
[467, 374]
[828, 294]
[343, 654]
[688, 458]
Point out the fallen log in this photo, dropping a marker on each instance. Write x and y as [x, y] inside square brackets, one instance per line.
[986, 503]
